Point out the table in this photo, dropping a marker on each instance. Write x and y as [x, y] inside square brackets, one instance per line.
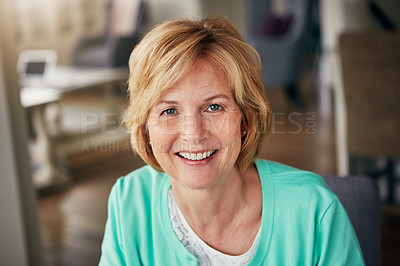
[51, 89]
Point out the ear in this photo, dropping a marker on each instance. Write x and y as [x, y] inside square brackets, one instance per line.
[243, 126]
[146, 135]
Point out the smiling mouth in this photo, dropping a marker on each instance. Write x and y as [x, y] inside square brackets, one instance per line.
[196, 156]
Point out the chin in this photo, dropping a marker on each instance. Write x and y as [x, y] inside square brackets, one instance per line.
[197, 182]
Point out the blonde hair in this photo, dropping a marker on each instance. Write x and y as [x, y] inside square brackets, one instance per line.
[169, 51]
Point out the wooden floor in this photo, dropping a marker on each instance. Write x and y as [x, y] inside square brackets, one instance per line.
[72, 219]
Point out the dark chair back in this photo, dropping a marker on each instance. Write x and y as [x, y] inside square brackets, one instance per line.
[359, 195]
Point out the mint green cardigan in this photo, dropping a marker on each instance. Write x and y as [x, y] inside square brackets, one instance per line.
[303, 222]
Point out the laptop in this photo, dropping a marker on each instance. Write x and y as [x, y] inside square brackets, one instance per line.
[34, 65]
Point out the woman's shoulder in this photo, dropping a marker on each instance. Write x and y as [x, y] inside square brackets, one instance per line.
[289, 180]
[279, 169]
[144, 173]
[282, 171]
[141, 181]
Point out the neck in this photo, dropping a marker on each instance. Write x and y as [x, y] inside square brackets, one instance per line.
[214, 209]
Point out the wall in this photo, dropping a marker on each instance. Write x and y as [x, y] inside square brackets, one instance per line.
[19, 234]
[50, 24]
[12, 240]
[159, 10]
[235, 10]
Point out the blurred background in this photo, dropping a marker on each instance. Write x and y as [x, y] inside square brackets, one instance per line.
[331, 70]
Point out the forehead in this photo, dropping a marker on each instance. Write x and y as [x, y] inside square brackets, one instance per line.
[202, 79]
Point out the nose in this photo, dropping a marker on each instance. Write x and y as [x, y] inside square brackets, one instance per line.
[194, 128]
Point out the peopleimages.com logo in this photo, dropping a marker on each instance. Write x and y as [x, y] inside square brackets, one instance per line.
[294, 123]
[282, 123]
[110, 124]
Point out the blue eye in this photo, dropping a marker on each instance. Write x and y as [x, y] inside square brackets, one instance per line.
[214, 107]
[170, 111]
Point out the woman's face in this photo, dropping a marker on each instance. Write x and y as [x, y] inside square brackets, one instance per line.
[195, 129]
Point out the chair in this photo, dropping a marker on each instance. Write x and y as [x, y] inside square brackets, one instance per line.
[124, 23]
[370, 64]
[281, 49]
[359, 196]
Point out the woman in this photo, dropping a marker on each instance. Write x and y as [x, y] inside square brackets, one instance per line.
[198, 115]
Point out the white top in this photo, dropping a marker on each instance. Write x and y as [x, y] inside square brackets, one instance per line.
[205, 254]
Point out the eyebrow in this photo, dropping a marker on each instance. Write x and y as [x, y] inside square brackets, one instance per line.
[171, 102]
[216, 97]
[166, 102]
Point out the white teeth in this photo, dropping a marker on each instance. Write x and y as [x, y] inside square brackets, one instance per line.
[196, 156]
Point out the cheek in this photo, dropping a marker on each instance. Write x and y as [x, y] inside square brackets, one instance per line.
[167, 126]
[226, 128]
[161, 139]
